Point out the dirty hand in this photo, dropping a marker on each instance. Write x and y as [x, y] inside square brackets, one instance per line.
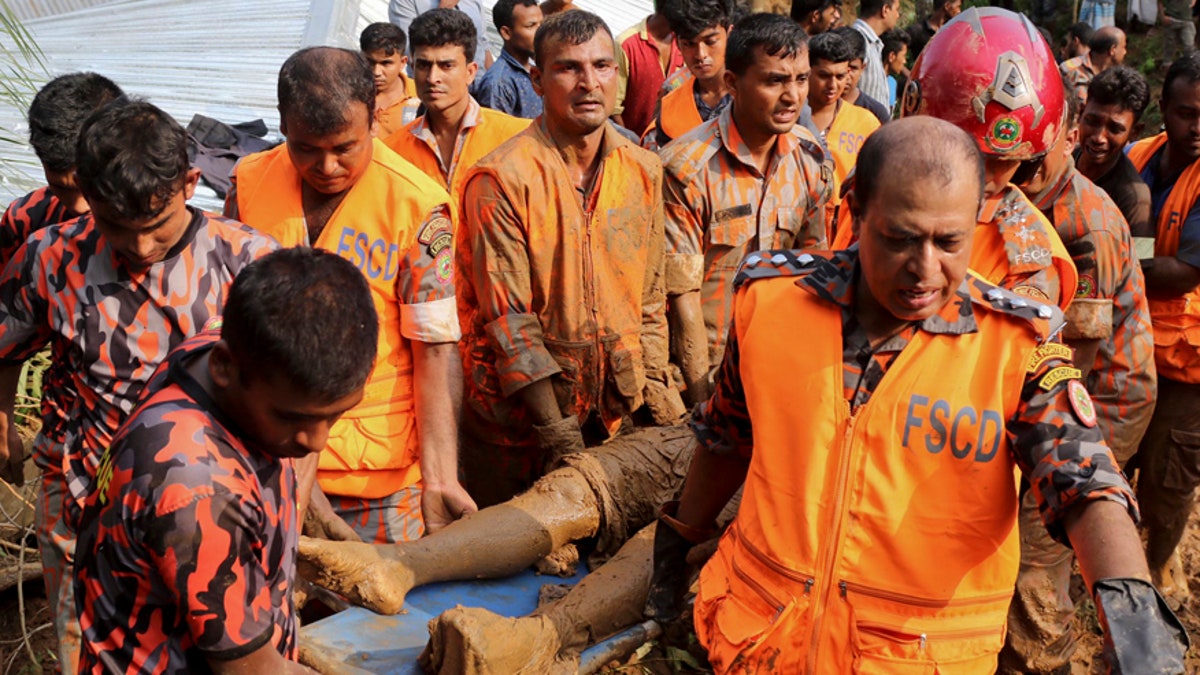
[671, 574]
[664, 402]
[559, 439]
[1141, 633]
[322, 522]
[441, 506]
[12, 468]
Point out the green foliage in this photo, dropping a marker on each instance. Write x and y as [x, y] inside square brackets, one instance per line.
[29, 392]
[22, 67]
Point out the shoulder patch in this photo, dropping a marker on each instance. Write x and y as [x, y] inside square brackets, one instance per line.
[1081, 403]
[1046, 352]
[433, 229]
[1047, 320]
[1059, 375]
[778, 263]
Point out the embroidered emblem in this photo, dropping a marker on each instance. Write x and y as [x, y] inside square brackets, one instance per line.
[443, 268]
[1058, 375]
[1032, 292]
[431, 229]
[1081, 403]
[1005, 134]
[1046, 352]
[1086, 287]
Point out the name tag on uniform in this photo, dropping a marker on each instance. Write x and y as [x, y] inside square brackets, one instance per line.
[734, 212]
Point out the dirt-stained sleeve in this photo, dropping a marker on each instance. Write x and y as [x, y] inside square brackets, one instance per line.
[684, 214]
[1097, 258]
[1059, 448]
[425, 282]
[722, 423]
[500, 276]
[655, 353]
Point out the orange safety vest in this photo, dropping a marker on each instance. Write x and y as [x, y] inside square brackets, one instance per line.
[880, 542]
[373, 449]
[845, 137]
[677, 115]
[491, 130]
[1176, 321]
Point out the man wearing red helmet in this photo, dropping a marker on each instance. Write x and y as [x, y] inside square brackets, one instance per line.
[1108, 327]
[989, 72]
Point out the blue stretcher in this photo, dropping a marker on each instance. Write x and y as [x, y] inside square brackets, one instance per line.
[365, 642]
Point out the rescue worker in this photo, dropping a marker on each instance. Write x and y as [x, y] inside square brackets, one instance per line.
[749, 179]
[55, 115]
[1168, 460]
[844, 126]
[194, 516]
[964, 69]
[390, 468]
[1106, 49]
[877, 530]
[698, 92]
[455, 132]
[1108, 329]
[1109, 122]
[111, 293]
[561, 275]
[396, 102]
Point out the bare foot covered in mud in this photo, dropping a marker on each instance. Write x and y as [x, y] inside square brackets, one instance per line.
[356, 571]
[474, 641]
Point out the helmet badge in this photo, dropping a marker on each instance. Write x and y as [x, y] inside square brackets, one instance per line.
[1013, 89]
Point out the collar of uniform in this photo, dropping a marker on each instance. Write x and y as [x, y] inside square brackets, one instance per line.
[835, 280]
[470, 120]
[1050, 194]
[732, 140]
[611, 141]
[643, 31]
[992, 204]
[512, 61]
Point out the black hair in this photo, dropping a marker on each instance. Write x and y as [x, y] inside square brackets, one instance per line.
[317, 85]
[1186, 68]
[59, 109]
[829, 47]
[802, 8]
[132, 158]
[443, 26]
[1070, 107]
[893, 41]
[574, 27]
[1123, 86]
[502, 12]
[1080, 30]
[1103, 41]
[689, 18]
[870, 8]
[776, 34]
[382, 36]
[858, 43]
[909, 146]
[305, 316]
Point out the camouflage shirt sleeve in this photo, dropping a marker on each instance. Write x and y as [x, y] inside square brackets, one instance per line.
[1059, 448]
[722, 423]
[684, 209]
[425, 283]
[24, 308]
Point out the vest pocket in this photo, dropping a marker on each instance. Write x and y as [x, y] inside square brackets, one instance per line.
[753, 620]
[898, 638]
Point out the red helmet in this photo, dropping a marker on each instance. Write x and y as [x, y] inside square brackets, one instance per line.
[990, 72]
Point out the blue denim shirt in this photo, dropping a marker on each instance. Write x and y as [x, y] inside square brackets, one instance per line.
[506, 87]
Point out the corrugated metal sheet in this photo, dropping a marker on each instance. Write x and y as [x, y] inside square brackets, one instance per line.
[32, 9]
[218, 57]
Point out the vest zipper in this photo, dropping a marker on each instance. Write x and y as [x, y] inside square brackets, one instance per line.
[775, 566]
[832, 553]
[767, 595]
[915, 601]
[922, 639]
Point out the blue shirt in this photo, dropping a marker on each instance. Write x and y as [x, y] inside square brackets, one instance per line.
[1160, 187]
[506, 87]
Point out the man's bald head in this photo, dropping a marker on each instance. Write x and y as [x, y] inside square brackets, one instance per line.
[319, 85]
[1108, 42]
[935, 152]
